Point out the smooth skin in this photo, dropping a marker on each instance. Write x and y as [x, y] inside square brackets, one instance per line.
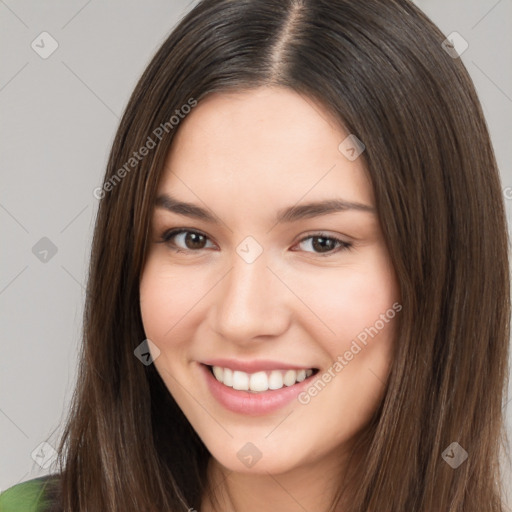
[244, 156]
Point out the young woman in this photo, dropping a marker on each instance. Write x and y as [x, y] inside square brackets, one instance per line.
[299, 284]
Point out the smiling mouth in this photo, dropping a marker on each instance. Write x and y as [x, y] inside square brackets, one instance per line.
[262, 381]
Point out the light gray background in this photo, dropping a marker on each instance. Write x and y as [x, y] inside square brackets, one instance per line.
[59, 116]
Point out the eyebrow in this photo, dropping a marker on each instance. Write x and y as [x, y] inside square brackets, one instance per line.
[285, 215]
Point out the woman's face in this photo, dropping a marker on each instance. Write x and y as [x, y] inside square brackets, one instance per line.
[258, 287]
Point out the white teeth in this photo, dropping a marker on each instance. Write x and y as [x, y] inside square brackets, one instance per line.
[290, 377]
[301, 375]
[240, 380]
[259, 381]
[219, 373]
[275, 381]
[227, 378]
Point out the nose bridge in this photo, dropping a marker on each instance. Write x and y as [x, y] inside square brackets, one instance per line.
[247, 304]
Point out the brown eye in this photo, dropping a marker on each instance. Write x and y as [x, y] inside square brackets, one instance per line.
[326, 245]
[194, 240]
[182, 240]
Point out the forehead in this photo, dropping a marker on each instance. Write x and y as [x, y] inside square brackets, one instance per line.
[262, 147]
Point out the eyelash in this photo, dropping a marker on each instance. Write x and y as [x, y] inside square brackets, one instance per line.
[169, 234]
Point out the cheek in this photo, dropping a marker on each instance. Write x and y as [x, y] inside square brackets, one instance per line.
[358, 305]
[362, 311]
[166, 296]
[351, 302]
[155, 304]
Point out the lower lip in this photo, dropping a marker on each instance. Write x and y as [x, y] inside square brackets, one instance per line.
[252, 404]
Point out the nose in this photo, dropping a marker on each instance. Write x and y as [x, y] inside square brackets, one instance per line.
[251, 302]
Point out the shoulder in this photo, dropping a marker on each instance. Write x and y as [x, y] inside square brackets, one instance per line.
[29, 496]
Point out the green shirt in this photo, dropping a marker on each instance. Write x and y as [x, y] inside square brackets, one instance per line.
[26, 496]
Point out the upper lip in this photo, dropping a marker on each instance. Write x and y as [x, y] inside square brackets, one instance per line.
[255, 365]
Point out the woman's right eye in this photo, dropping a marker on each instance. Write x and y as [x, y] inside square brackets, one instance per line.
[189, 240]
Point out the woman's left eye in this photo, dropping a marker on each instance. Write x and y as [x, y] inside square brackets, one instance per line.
[331, 244]
[194, 241]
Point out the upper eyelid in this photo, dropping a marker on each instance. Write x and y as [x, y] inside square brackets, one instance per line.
[177, 231]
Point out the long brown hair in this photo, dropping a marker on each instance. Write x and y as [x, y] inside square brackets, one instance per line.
[378, 66]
